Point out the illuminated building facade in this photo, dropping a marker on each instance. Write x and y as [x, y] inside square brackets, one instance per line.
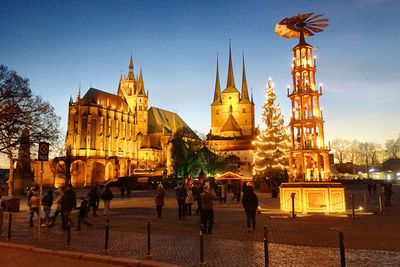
[232, 120]
[112, 135]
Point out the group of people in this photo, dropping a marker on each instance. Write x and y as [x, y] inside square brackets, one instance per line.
[386, 190]
[66, 201]
[204, 195]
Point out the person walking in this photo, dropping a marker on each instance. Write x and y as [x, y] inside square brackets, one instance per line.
[58, 199]
[250, 204]
[189, 201]
[369, 187]
[107, 196]
[122, 189]
[93, 197]
[47, 202]
[198, 191]
[33, 206]
[224, 193]
[180, 192]
[128, 191]
[159, 199]
[387, 190]
[207, 198]
[68, 203]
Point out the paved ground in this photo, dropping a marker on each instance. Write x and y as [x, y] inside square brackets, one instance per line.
[370, 239]
[16, 257]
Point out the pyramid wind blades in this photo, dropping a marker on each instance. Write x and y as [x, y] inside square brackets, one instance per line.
[307, 24]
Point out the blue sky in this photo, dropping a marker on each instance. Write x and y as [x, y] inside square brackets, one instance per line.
[61, 44]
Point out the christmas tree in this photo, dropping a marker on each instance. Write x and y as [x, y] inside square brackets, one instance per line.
[270, 156]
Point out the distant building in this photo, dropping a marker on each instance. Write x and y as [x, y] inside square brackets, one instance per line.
[112, 135]
[232, 120]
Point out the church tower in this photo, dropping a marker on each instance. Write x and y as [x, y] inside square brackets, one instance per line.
[309, 155]
[232, 112]
[232, 119]
[132, 89]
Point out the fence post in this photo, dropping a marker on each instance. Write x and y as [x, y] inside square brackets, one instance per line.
[149, 239]
[342, 251]
[9, 225]
[352, 206]
[293, 211]
[107, 234]
[266, 252]
[201, 246]
[380, 204]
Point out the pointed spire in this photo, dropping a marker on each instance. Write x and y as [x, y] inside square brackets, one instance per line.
[217, 92]
[119, 92]
[78, 96]
[131, 63]
[131, 76]
[252, 101]
[141, 90]
[231, 79]
[70, 100]
[245, 91]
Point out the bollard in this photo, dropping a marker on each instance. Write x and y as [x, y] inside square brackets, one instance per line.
[266, 252]
[201, 246]
[107, 234]
[9, 226]
[292, 196]
[68, 232]
[380, 204]
[148, 239]
[365, 202]
[352, 206]
[342, 251]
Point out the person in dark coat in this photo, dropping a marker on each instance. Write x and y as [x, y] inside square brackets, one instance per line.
[207, 198]
[107, 196]
[128, 191]
[250, 204]
[198, 191]
[369, 187]
[159, 199]
[180, 192]
[68, 203]
[93, 197]
[387, 190]
[122, 190]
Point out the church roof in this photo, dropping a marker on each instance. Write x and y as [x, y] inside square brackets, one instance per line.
[97, 97]
[170, 121]
[231, 125]
[230, 89]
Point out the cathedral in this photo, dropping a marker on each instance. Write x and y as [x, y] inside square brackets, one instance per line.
[114, 135]
[232, 120]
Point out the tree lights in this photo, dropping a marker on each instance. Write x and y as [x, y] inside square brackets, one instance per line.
[270, 156]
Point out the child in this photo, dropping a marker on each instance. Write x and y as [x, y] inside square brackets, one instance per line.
[83, 210]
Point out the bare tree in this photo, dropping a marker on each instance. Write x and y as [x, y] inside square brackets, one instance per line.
[341, 149]
[20, 109]
[354, 152]
[391, 148]
[369, 153]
